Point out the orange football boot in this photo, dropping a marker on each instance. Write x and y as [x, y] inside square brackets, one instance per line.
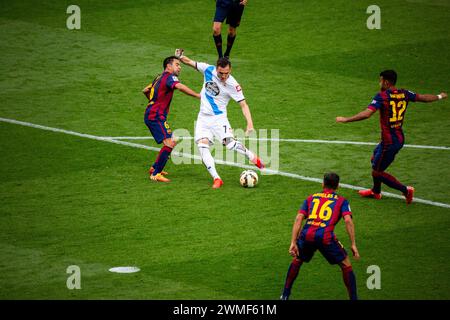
[368, 193]
[217, 183]
[410, 195]
[159, 178]
[258, 162]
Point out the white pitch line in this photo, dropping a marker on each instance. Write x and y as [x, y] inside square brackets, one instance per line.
[299, 140]
[191, 156]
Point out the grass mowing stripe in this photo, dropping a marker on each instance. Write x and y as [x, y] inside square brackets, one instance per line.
[190, 156]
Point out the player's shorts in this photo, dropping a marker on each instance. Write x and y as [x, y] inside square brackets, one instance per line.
[160, 130]
[333, 252]
[229, 9]
[384, 155]
[210, 127]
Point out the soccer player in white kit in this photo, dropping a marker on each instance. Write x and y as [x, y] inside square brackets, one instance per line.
[219, 86]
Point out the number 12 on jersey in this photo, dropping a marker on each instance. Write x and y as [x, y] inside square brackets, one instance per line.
[398, 108]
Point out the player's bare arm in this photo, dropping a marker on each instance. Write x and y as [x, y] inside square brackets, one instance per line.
[431, 97]
[293, 249]
[350, 227]
[243, 2]
[146, 91]
[248, 116]
[187, 90]
[357, 117]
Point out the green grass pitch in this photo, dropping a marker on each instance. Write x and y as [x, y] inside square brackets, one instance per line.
[68, 200]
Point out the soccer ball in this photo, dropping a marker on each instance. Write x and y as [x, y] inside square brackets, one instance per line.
[248, 179]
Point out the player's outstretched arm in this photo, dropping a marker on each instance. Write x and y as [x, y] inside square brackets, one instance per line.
[187, 90]
[357, 117]
[248, 116]
[179, 53]
[293, 249]
[431, 97]
[350, 227]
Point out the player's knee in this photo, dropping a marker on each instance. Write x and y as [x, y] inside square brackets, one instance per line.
[171, 143]
[230, 143]
[203, 144]
[297, 261]
[376, 173]
[217, 29]
[232, 31]
[345, 264]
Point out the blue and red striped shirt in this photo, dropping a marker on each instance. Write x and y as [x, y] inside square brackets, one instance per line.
[322, 212]
[392, 104]
[161, 92]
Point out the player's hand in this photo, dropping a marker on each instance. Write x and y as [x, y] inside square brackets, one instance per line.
[249, 130]
[179, 53]
[444, 95]
[355, 252]
[293, 250]
[243, 2]
[341, 119]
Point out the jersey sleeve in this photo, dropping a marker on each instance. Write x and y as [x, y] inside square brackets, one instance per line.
[376, 103]
[304, 209]
[411, 96]
[236, 93]
[172, 81]
[345, 209]
[201, 66]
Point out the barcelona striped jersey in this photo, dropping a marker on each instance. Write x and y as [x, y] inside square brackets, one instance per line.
[161, 93]
[392, 104]
[322, 212]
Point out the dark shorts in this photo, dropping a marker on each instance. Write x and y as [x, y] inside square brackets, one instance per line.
[333, 252]
[384, 155]
[229, 9]
[160, 130]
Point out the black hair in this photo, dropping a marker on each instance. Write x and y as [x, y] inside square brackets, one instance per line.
[169, 60]
[331, 180]
[223, 62]
[389, 75]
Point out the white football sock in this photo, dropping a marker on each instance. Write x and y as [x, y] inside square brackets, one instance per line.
[208, 159]
[240, 148]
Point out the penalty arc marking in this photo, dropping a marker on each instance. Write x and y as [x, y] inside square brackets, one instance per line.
[191, 156]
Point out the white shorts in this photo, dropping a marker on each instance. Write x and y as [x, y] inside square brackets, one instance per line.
[211, 127]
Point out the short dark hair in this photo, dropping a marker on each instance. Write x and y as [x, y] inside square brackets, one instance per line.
[331, 180]
[389, 75]
[169, 60]
[223, 62]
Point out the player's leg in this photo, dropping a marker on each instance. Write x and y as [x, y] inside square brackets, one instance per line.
[375, 192]
[161, 160]
[349, 278]
[204, 138]
[335, 253]
[382, 176]
[237, 146]
[230, 40]
[293, 270]
[219, 16]
[234, 20]
[223, 131]
[306, 252]
[163, 134]
[208, 161]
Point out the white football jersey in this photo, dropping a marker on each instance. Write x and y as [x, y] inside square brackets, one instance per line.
[215, 94]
